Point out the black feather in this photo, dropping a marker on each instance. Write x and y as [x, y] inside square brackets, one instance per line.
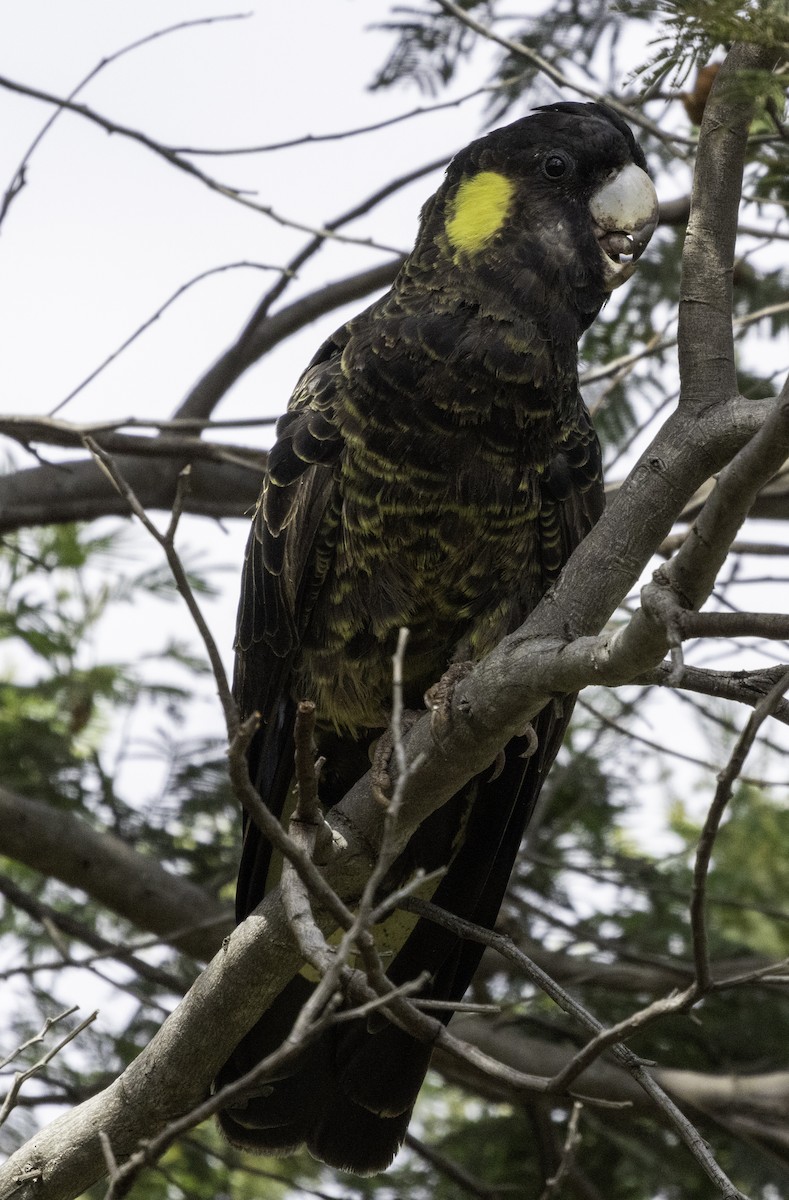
[436, 468]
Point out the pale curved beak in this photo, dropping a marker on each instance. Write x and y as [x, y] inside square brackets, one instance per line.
[625, 214]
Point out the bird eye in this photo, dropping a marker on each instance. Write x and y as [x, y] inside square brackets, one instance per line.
[555, 165]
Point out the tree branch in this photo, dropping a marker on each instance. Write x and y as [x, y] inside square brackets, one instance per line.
[237, 195]
[133, 885]
[723, 792]
[706, 343]
[692, 624]
[49, 431]
[58, 922]
[746, 687]
[263, 332]
[77, 491]
[717, 1095]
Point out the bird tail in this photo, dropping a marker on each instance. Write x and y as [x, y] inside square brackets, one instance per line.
[349, 1094]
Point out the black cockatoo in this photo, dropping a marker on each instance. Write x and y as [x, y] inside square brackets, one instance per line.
[435, 468]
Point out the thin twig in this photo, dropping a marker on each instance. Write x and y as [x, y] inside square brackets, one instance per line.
[160, 311]
[774, 973]
[310, 139]
[419, 880]
[110, 469]
[558, 77]
[303, 829]
[37, 1037]
[456, 1006]
[388, 850]
[508, 950]
[572, 1141]
[619, 1033]
[18, 181]
[236, 195]
[73, 928]
[723, 794]
[668, 751]
[308, 809]
[271, 828]
[666, 341]
[21, 1077]
[109, 1156]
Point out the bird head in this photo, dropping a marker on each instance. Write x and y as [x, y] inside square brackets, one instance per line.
[562, 196]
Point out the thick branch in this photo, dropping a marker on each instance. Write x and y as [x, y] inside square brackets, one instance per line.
[687, 580]
[63, 846]
[716, 1095]
[706, 354]
[695, 566]
[261, 336]
[78, 491]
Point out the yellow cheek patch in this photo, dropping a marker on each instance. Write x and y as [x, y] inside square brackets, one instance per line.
[478, 210]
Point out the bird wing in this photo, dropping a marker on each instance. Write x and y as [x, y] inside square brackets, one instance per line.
[288, 554]
[571, 497]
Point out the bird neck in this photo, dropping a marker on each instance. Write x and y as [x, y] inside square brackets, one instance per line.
[500, 340]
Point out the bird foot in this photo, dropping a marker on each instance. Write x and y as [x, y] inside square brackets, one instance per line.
[381, 754]
[438, 699]
[531, 747]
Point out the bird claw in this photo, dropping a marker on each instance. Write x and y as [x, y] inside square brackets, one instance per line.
[531, 747]
[438, 699]
[381, 755]
[532, 741]
[381, 780]
[499, 764]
